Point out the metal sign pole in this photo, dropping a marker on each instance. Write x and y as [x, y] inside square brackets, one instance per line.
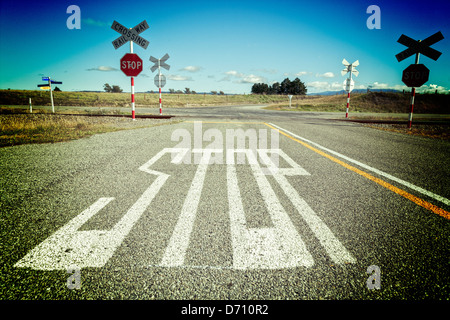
[159, 75]
[413, 94]
[415, 76]
[348, 94]
[132, 88]
[51, 94]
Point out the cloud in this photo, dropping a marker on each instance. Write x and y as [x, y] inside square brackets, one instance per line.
[320, 85]
[270, 71]
[434, 87]
[302, 73]
[102, 68]
[326, 75]
[176, 77]
[377, 85]
[191, 68]
[234, 74]
[96, 23]
[243, 78]
[251, 78]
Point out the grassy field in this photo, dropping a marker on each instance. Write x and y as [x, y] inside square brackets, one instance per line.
[17, 126]
[373, 102]
[379, 102]
[41, 127]
[103, 99]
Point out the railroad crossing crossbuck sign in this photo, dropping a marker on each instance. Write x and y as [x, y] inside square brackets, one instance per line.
[417, 74]
[160, 79]
[418, 46]
[349, 84]
[158, 63]
[130, 34]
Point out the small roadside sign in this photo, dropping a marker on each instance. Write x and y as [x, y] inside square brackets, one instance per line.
[349, 84]
[160, 81]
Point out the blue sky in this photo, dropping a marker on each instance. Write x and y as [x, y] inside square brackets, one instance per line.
[219, 45]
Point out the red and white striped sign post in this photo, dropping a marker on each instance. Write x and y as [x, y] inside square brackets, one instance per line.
[160, 79]
[348, 104]
[133, 109]
[130, 63]
[349, 83]
[417, 74]
[160, 102]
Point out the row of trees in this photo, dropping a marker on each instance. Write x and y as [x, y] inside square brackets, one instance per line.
[287, 86]
[114, 88]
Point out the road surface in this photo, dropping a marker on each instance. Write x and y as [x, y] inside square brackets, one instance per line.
[233, 203]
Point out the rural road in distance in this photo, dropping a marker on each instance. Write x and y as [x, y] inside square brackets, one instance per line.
[184, 211]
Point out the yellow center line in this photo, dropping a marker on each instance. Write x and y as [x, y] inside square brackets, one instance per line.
[417, 200]
[236, 122]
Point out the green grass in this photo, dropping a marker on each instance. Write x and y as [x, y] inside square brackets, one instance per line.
[98, 99]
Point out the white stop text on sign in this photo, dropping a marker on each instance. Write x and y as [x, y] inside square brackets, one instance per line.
[131, 65]
[415, 75]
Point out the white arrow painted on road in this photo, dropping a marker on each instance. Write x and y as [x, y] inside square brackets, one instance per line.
[93, 248]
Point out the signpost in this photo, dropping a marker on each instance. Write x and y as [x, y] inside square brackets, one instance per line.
[290, 99]
[130, 63]
[160, 79]
[48, 86]
[349, 83]
[416, 75]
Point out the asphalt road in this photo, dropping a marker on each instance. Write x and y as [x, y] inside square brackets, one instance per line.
[170, 212]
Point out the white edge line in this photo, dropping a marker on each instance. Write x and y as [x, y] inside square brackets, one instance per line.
[379, 172]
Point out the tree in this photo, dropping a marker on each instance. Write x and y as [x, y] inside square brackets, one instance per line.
[276, 88]
[297, 87]
[57, 89]
[187, 91]
[214, 92]
[260, 88]
[285, 86]
[107, 87]
[116, 89]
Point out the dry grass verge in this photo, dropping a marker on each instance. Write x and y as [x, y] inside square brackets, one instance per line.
[435, 131]
[18, 129]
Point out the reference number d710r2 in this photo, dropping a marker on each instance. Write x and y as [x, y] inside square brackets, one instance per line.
[246, 309]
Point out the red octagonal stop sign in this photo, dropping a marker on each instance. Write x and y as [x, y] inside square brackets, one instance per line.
[415, 75]
[131, 64]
